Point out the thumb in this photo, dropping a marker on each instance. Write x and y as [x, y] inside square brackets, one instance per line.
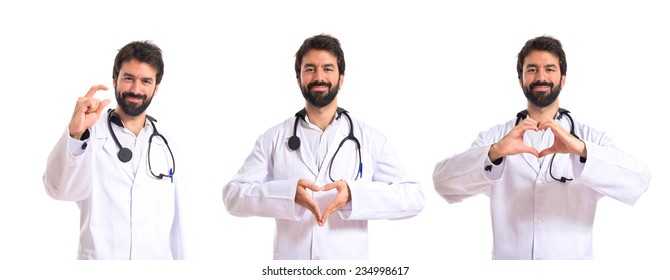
[547, 151]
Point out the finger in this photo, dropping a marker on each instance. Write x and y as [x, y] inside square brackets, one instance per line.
[94, 89]
[326, 214]
[330, 186]
[101, 106]
[314, 208]
[548, 124]
[528, 126]
[530, 150]
[343, 190]
[83, 103]
[337, 203]
[303, 199]
[87, 105]
[529, 121]
[308, 185]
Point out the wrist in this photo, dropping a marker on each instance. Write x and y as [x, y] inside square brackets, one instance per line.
[80, 136]
[493, 154]
[76, 135]
[582, 152]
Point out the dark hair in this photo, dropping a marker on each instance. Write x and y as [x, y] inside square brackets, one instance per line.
[542, 43]
[143, 51]
[320, 42]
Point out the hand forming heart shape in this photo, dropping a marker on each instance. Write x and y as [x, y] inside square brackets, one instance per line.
[513, 143]
[304, 199]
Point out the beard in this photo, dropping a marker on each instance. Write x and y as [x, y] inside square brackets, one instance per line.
[542, 99]
[320, 99]
[131, 108]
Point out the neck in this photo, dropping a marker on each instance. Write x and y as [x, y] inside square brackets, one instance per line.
[134, 124]
[543, 113]
[321, 117]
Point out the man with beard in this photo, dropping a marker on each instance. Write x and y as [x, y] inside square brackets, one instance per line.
[322, 174]
[117, 167]
[543, 171]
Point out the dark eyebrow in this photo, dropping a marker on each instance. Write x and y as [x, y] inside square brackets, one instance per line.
[132, 76]
[314, 65]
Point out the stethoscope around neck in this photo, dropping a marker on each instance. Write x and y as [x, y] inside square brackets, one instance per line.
[561, 112]
[125, 154]
[294, 141]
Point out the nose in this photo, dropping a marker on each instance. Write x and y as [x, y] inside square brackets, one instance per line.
[540, 76]
[136, 86]
[318, 75]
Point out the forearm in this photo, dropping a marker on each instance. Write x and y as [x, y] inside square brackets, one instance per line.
[67, 177]
[613, 173]
[464, 175]
[381, 200]
[274, 199]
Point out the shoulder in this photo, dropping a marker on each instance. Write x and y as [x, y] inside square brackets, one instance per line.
[589, 133]
[364, 129]
[280, 129]
[498, 130]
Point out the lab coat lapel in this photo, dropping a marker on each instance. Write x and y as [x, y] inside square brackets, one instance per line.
[109, 146]
[303, 152]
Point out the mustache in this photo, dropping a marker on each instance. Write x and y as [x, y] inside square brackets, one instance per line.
[318, 84]
[540, 84]
[127, 94]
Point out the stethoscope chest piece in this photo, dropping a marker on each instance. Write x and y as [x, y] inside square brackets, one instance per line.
[294, 142]
[125, 155]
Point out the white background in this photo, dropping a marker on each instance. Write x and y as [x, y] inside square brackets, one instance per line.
[429, 75]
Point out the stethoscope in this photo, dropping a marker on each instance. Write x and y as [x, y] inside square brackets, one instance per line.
[125, 154]
[294, 141]
[561, 112]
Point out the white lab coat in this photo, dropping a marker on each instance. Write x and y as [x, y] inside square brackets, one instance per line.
[534, 216]
[122, 216]
[266, 186]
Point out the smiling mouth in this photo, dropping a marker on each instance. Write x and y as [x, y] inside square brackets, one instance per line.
[133, 98]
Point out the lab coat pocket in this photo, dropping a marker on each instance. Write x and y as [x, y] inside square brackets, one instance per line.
[580, 197]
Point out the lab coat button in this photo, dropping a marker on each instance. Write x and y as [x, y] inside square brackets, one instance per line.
[316, 258]
[538, 221]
